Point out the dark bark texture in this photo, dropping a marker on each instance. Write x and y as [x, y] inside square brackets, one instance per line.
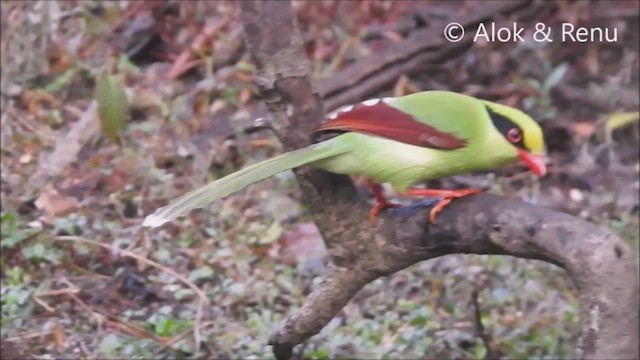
[601, 265]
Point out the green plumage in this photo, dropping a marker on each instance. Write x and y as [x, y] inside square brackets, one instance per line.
[384, 160]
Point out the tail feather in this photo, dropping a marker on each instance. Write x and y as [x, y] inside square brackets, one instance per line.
[231, 183]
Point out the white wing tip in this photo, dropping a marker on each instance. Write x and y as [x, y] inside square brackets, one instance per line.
[154, 221]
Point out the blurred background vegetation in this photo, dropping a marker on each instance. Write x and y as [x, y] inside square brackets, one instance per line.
[109, 109]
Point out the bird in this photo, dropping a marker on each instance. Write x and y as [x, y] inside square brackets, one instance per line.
[401, 141]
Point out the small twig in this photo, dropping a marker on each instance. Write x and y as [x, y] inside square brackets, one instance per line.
[114, 322]
[82, 304]
[200, 44]
[133, 330]
[27, 336]
[202, 298]
[480, 331]
[38, 297]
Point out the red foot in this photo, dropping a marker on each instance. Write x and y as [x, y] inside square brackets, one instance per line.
[381, 202]
[446, 195]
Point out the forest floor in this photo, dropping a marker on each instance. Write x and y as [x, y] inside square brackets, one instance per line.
[80, 278]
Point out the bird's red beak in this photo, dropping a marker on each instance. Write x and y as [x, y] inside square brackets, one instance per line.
[534, 162]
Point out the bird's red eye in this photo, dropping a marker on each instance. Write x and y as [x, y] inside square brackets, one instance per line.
[514, 135]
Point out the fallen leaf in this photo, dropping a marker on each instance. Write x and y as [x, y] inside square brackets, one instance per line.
[583, 129]
[53, 204]
[245, 95]
[58, 59]
[79, 182]
[25, 158]
[555, 76]
[404, 86]
[58, 337]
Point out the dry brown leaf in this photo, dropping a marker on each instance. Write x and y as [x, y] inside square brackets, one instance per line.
[404, 86]
[194, 256]
[583, 129]
[245, 95]
[58, 59]
[25, 158]
[58, 337]
[512, 100]
[242, 76]
[201, 103]
[80, 182]
[53, 204]
[33, 100]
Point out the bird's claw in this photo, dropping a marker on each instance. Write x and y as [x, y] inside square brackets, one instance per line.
[379, 206]
[445, 200]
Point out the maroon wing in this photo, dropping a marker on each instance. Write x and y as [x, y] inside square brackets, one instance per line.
[386, 121]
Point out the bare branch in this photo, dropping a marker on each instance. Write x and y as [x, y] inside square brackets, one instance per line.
[601, 265]
[480, 331]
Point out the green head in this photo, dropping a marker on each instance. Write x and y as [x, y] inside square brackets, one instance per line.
[522, 132]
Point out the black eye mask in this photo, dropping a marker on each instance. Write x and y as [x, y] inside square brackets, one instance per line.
[510, 130]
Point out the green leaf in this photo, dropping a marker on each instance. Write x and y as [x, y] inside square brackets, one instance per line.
[406, 305]
[272, 234]
[112, 104]
[8, 221]
[109, 344]
[12, 235]
[479, 350]
[161, 254]
[620, 119]
[61, 81]
[169, 326]
[555, 77]
[14, 275]
[318, 354]
[125, 64]
[418, 320]
[230, 94]
[201, 273]
[164, 326]
[182, 294]
[35, 251]
[145, 126]
[237, 289]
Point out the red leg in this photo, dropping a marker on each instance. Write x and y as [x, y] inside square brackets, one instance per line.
[381, 202]
[446, 195]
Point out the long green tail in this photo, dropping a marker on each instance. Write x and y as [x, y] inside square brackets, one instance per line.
[231, 183]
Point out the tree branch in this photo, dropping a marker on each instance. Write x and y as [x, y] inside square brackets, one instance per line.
[601, 265]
